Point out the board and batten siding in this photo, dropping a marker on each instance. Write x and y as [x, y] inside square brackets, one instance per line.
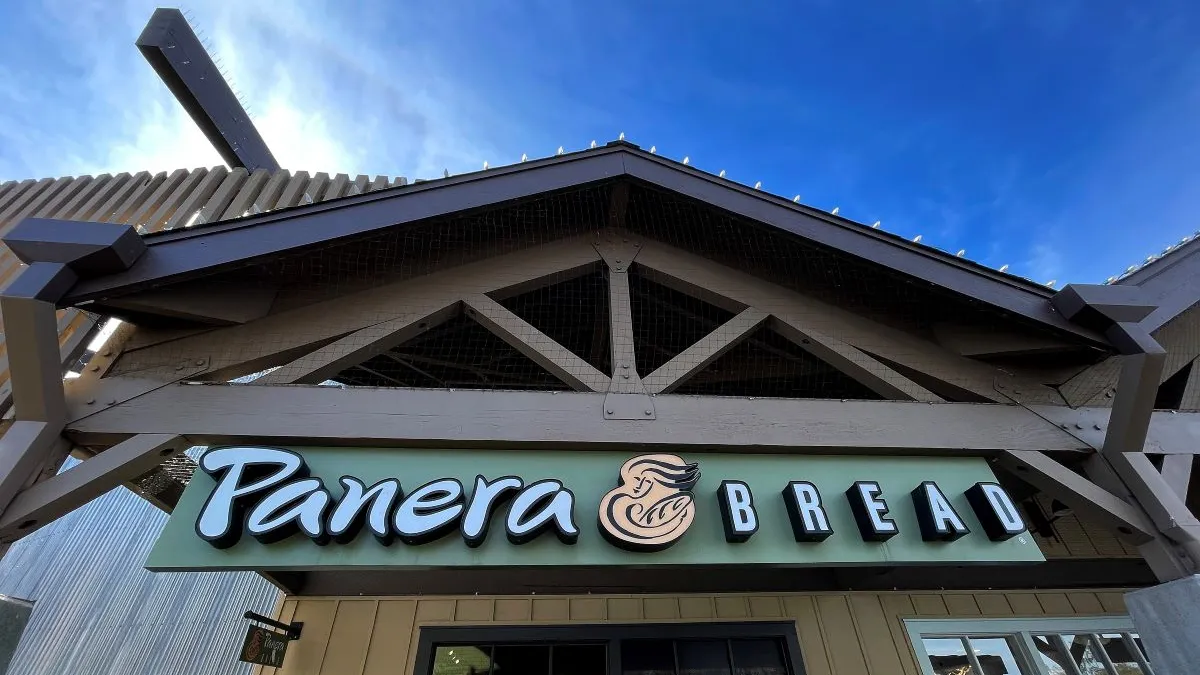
[840, 633]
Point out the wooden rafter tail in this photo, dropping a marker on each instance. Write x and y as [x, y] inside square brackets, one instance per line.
[536, 345]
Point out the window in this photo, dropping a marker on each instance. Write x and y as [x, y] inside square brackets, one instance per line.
[678, 649]
[1085, 646]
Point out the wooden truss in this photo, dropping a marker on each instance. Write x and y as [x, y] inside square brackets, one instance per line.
[162, 391]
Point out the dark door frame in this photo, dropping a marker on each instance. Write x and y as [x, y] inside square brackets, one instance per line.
[608, 634]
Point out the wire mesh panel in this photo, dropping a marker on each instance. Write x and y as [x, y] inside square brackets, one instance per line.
[768, 364]
[573, 313]
[666, 321]
[459, 353]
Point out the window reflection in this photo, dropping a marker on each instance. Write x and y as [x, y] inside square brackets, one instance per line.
[995, 656]
[703, 657]
[948, 656]
[1120, 652]
[462, 660]
[758, 657]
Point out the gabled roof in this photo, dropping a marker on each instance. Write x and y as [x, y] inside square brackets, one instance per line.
[180, 255]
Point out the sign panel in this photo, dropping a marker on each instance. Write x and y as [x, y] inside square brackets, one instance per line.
[264, 647]
[262, 508]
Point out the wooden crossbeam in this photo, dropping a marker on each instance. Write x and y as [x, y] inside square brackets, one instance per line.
[806, 318]
[709, 348]
[533, 343]
[222, 413]
[57, 496]
[322, 364]
[1079, 493]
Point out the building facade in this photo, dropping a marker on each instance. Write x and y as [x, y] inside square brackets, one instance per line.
[599, 412]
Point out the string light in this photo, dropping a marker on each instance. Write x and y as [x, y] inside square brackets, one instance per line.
[686, 159]
[758, 185]
[593, 145]
[796, 199]
[1051, 283]
[621, 136]
[653, 149]
[722, 174]
[524, 157]
[1004, 268]
[835, 210]
[876, 225]
[485, 166]
[560, 150]
[917, 239]
[961, 253]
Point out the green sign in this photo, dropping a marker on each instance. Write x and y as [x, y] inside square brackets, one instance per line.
[264, 647]
[259, 508]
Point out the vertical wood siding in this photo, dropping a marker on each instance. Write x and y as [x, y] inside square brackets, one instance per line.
[839, 633]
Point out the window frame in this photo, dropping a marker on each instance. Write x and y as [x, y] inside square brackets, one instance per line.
[1021, 631]
[609, 634]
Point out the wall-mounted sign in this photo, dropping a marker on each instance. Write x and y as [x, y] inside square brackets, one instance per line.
[264, 647]
[273, 508]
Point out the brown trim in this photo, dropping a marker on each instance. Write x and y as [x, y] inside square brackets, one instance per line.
[173, 256]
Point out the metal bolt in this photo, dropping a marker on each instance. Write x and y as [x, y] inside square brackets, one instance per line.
[90, 401]
[625, 365]
[199, 362]
[113, 402]
[626, 376]
[608, 411]
[1096, 427]
[1108, 394]
[1063, 425]
[625, 241]
[1016, 391]
[619, 260]
[1078, 425]
[107, 352]
[95, 368]
[649, 412]
[179, 367]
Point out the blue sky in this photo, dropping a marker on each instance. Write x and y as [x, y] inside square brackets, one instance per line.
[1058, 137]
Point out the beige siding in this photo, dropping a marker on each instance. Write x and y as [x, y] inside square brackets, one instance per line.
[839, 633]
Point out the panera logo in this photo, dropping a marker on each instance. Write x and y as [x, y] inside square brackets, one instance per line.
[652, 506]
[270, 494]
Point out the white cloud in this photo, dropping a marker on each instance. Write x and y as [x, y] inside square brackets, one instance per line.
[324, 98]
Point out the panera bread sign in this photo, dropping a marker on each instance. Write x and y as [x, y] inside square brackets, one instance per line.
[269, 494]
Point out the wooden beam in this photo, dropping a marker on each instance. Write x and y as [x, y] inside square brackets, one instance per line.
[237, 347]
[24, 449]
[1177, 472]
[362, 344]
[1156, 496]
[42, 503]
[223, 413]
[533, 343]
[694, 275]
[1083, 496]
[1191, 391]
[709, 348]
[201, 302]
[859, 365]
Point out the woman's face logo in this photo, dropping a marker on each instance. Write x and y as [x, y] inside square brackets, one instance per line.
[652, 505]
